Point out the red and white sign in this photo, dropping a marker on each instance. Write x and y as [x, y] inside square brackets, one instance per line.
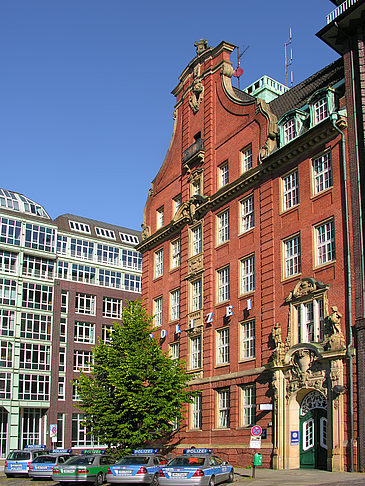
[256, 431]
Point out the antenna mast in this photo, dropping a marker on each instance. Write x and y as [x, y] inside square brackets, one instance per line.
[238, 71]
[288, 62]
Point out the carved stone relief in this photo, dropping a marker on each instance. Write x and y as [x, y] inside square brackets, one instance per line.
[195, 265]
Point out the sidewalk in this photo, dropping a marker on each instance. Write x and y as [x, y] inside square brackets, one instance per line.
[296, 477]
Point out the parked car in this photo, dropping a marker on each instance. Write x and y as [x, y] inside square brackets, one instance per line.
[89, 467]
[142, 466]
[42, 466]
[198, 467]
[18, 461]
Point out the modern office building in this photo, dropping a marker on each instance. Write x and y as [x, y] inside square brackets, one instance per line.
[248, 262]
[62, 284]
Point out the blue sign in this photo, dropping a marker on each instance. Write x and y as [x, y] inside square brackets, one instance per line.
[294, 437]
[197, 451]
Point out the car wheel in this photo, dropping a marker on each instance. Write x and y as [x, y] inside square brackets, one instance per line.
[212, 481]
[99, 479]
[154, 481]
[231, 477]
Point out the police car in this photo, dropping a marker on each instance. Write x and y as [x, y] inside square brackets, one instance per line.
[42, 466]
[142, 466]
[89, 467]
[18, 462]
[199, 467]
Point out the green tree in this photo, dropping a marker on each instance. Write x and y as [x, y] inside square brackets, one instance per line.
[134, 392]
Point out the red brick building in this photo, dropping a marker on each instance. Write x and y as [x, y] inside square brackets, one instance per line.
[248, 267]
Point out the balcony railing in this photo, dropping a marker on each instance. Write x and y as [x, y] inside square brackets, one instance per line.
[194, 149]
[339, 10]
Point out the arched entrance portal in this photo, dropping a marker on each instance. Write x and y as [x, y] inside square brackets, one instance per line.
[313, 431]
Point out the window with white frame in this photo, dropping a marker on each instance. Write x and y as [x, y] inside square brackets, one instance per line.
[80, 437]
[223, 174]
[196, 295]
[34, 387]
[39, 237]
[64, 301]
[7, 291]
[290, 188]
[223, 227]
[85, 303]
[196, 412]
[38, 267]
[35, 357]
[159, 263]
[175, 304]
[36, 326]
[289, 130]
[75, 393]
[106, 333]
[61, 388]
[82, 360]
[246, 159]
[196, 352]
[224, 411]
[62, 270]
[131, 259]
[322, 173]
[175, 350]
[61, 245]
[176, 203]
[112, 307]
[62, 359]
[105, 233]
[83, 249]
[133, 283]
[157, 311]
[10, 231]
[325, 242]
[83, 273]
[223, 346]
[107, 254]
[5, 386]
[196, 240]
[8, 200]
[223, 285]
[37, 296]
[63, 329]
[31, 428]
[84, 332]
[175, 253]
[7, 322]
[320, 109]
[160, 217]
[60, 431]
[248, 274]
[109, 278]
[247, 214]
[292, 256]
[126, 238]
[8, 261]
[80, 227]
[248, 403]
[248, 339]
[310, 321]
[6, 354]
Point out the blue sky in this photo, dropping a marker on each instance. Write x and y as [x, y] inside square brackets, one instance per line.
[85, 88]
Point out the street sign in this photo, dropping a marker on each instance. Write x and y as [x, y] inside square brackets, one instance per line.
[53, 430]
[294, 437]
[255, 442]
[256, 431]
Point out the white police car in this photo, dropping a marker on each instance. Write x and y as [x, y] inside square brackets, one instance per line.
[142, 466]
[198, 467]
[18, 462]
[42, 466]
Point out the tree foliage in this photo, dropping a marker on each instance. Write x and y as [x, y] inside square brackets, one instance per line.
[134, 392]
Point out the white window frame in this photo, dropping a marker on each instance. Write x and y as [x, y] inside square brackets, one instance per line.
[175, 350]
[6, 354]
[223, 174]
[84, 332]
[196, 240]
[35, 357]
[82, 360]
[325, 242]
[37, 296]
[224, 408]
[105, 233]
[7, 322]
[112, 307]
[8, 291]
[289, 130]
[320, 109]
[223, 284]
[248, 405]
[106, 333]
[292, 264]
[175, 253]
[61, 388]
[158, 311]
[223, 346]
[131, 259]
[247, 214]
[223, 227]
[82, 249]
[246, 159]
[248, 339]
[85, 304]
[196, 352]
[322, 173]
[197, 412]
[10, 231]
[310, 320]
[6, 385]
[80, 227]
[8, 262]
[247, 265]
[36, 326]
[160, 217]
[34, 387]
[159, 263]
[290, 190]
[196, 295]
[175, 305]
[107, 254]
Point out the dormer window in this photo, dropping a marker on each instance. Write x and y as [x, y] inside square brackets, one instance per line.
[289, 130]
[160, 217]
[320, 110]
[321, 105]
[290, 125]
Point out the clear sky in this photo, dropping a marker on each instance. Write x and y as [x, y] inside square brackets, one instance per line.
[85, 88]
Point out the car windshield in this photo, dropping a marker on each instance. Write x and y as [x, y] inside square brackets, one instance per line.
[19, 456]
[184, 461]
[134, 460]
[80, 460]
[48, 459]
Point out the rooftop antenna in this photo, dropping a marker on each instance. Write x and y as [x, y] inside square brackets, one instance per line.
[288, 62]
[239, 71]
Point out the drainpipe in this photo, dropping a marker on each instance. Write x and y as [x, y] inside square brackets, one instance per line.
[334, 118]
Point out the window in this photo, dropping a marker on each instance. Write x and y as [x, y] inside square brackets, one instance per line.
[197, 240]
[248, 399]
[6, 354]
[290, 185]
[223, 346]
[64, 301]
[35, 356]
[105, 233]
[289, 132]
[37, 267]
[160, 217]
[175, 305]
[325, 243]
[108, 278]
[60, 430]
[85, 303]
[33, 387]
[83, 273]
[292, 256]
[131, 259]
[196, 412]
[320, 110]
[63, 330]
[310, 319]
[196, 188]
[223, 285]
[84, 332]
[75, 394]
[36, 326]
[248, 274]
[5, 386]
[246, 159]
[223, 174]
[322, 172]
[79, 436]
[112, 307]
[175, 350]
[196, 352]
[62, 359]
[106, 333]
[61, 245]
[248, 339]
[175, 253]
[157, 311]
[80, 227]
[39, 237]
[82, 361]
[61, 388]
[83, 249]
[126, 238]
[7, 322]
[159, 263]
[176, 203]
[62, 270]
[10, 231]
[7, 291]
[247, 214]
[196, 295]
[8, 262]
[37, 296]
[223, 227]
[8, 200]
[223, 409]
[108, 254]
[133, 283]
